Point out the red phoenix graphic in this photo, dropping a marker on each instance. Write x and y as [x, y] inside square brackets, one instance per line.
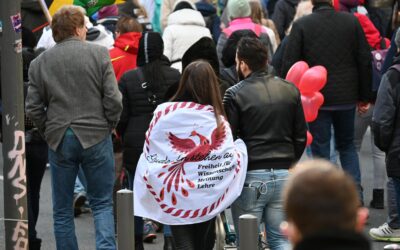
[174, 177]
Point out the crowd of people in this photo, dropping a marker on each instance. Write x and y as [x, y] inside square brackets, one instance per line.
[98, 89]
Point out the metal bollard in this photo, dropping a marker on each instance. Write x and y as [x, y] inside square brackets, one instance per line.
[248, 232]
[125, 220]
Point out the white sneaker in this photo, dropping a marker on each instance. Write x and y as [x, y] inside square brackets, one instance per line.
[385, 233]
[392, 246]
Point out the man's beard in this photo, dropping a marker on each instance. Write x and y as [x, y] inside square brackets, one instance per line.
[240, 74]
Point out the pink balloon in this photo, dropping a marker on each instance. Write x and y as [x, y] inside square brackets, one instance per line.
[309, 108]
[296, 72]
[309, 138]
[311, 104]
[319, 99]
[313, 80]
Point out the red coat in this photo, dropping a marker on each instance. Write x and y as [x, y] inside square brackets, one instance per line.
[124, 54]
[371, 33]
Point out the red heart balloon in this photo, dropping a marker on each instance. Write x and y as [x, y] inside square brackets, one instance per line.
[311, 104]
[309, 108]
[296, 72]
[318, 98]
[313, 80]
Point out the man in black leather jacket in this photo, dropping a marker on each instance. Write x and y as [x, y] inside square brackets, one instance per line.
[266, 112]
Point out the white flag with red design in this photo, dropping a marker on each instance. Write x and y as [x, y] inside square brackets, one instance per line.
[189, 170]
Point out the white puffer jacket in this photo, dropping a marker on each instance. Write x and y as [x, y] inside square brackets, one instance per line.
[185, 27]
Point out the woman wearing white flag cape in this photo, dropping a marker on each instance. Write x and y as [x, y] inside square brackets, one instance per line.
[191, 169]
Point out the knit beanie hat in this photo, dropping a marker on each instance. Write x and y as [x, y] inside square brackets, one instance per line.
[110, 10]
[151, 48]
[397, 38]
[202, 49]
[183, 4]
[238, 8]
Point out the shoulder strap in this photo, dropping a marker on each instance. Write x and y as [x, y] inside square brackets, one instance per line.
[383, 43]
[141, 76]
[257, 29]
[396, 67]
[151, 97]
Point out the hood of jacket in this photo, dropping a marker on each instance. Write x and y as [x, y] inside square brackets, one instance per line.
[205, 8]
[186, 17]
[128, 42]
[323, 6]
[396, 58]
[190, 2]
[100, 36]
[347, 5]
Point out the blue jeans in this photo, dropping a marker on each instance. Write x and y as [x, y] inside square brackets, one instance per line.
[167, 231]
[396, 183]
[343, 126]
[262, 197]
[97, 162]
[362, 122]
[80, 183]
[333, 155]
[393, 217]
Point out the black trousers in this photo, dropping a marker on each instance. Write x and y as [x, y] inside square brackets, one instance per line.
[200, 236]
[36, 159]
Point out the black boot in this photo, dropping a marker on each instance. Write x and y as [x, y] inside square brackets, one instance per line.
[35, 244]
[169, 243]
[139, 242]
[377, 199]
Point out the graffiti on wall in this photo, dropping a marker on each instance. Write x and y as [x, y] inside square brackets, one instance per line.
[17, 177]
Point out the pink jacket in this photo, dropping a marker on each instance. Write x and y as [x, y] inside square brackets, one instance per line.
[244, 23]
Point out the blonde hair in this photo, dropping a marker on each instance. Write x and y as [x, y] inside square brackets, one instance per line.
[304, 8]
[256, 12]
[142, 11]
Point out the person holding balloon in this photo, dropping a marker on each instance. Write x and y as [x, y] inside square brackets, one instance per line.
[336, 41]
[309, 81]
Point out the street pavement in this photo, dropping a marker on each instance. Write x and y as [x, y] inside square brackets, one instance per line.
[84, 223]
